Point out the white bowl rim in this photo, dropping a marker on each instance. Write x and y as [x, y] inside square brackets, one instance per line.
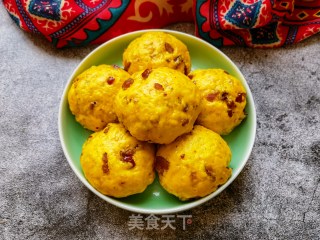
[186, 206]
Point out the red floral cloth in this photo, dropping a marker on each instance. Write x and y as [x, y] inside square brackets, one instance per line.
[254, 23]
[257, 23]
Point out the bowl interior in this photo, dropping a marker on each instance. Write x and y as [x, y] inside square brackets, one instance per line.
[155, 199]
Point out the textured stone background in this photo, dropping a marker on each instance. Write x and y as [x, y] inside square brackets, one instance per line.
[275, 197]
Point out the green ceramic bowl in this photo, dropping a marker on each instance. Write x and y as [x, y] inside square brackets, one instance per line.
[155, 200]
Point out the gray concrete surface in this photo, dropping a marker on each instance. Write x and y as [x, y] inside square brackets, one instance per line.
[275, 197]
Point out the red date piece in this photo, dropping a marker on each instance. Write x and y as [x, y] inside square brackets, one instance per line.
[186, 108]
[240, 97]
[224, 96]
[168, 48]
[231, 105]
[92, 105]
[127, 66]
[146, 73]
[210, 172]
[127, 156]
[105, 167]
[212, 96]
[162, 165]
[127, 83]
[158, 86]
[110, 80]
[185, 122]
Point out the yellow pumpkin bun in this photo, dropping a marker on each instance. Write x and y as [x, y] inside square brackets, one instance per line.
[92, 94]
[223, 99]
[195, 164]
[156, 49]
[117, 164]
[158, 105]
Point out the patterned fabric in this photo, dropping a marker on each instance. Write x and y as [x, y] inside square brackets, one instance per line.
[254, 23]
[257, 23]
